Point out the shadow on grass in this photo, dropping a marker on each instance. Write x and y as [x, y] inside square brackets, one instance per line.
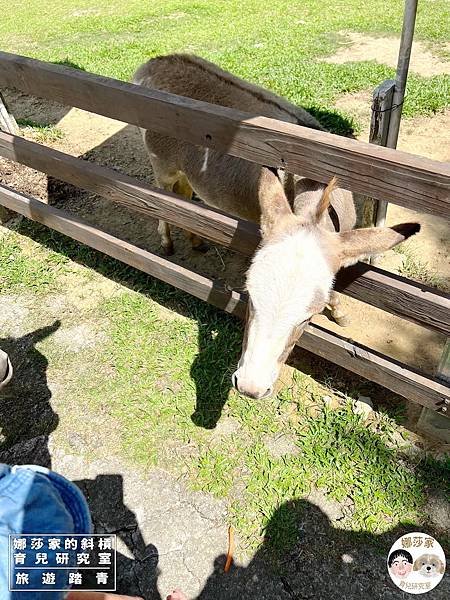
[218, 352]
[26, 415]
[307, 551]
[68, 63]
[218, 334]
[322, 561]
[333, 121]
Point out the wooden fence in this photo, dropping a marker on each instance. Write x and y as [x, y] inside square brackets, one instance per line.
[382, 173]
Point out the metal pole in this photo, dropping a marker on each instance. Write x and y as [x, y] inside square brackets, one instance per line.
[409, 20]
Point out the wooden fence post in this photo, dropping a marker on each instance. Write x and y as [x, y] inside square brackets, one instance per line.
[431, 422]
[379, 129]
[8, 124]
[372, 210]
[396, 103]
[7, 121]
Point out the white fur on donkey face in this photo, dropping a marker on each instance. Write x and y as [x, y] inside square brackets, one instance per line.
[284, 281]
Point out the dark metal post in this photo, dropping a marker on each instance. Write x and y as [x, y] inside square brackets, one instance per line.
[409, 20]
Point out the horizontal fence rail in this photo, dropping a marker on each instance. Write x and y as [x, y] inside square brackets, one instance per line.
[382, 173]
[418, 303]
[391, 374]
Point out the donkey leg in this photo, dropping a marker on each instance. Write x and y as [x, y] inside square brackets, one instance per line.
[337, 313]
[164, 179]
[183, 188]
[166, 238]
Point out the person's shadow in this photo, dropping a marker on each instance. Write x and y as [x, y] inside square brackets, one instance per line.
[322, 562]
[303, 555]
[26, 415]
[138, 574]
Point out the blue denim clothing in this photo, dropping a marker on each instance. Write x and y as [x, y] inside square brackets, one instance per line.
[35, 500]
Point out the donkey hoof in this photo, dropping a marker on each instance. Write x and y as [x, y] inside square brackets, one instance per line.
[168, 249]
[202, 247]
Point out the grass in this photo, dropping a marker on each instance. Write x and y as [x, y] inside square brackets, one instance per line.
[21, 272]
[165, 371]
[415, 268]
[40, 132]
[161, 383]
[276, 45]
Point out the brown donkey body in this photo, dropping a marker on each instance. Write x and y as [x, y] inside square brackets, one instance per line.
[292, 272]
[234, 185]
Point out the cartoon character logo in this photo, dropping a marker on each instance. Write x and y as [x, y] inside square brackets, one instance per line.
[400, 563]
[416, 563]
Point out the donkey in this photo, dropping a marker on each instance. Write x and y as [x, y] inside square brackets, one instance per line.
[291, 275]
[226, 182]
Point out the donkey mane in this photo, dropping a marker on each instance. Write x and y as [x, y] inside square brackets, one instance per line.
[298, 114]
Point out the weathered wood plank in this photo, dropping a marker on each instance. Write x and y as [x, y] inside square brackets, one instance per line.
[397, 295]
[381, 112]
[380, 369]
[408, 299]
[394, 375]
[152, 264]
[417, 183]
[379, 124]
[8, 124]
[7, 120]
[150, 201]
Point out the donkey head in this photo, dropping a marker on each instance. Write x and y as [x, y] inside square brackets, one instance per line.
[290, 280]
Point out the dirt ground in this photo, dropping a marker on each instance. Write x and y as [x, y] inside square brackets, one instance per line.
[384, 50]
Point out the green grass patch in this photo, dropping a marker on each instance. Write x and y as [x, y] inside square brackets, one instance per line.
[163, 374]
[171, 373]
[415, 268]
[163, 388]
[276, 45]
[39, 132]
[20, 270]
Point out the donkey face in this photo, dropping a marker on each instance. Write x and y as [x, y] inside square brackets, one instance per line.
[290, 280]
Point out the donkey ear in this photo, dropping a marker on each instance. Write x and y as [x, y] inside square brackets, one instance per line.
[325, 200]
[274, 205]
[362, 243]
